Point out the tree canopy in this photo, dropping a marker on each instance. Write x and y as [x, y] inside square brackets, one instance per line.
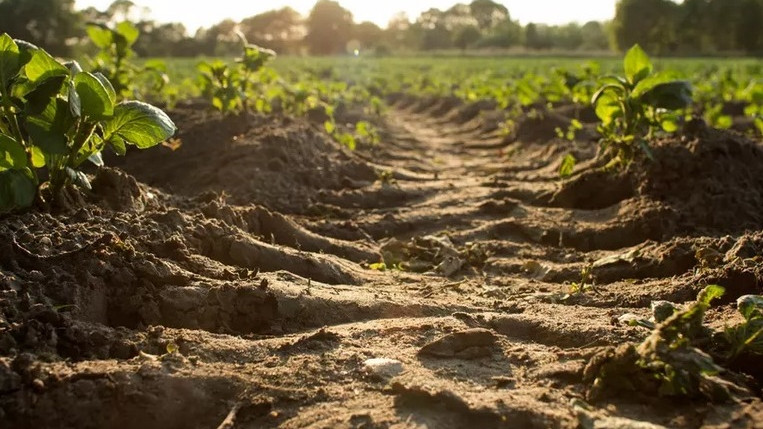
[663, 27]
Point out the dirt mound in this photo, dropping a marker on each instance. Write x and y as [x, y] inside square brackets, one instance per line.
[711, 183]
[714, 181]
[539, 127]
[274, 161]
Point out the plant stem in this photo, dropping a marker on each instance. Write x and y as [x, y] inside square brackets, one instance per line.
[14, 129]
[11, 118]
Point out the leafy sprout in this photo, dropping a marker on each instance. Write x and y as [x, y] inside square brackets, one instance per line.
[747, 336]
[568, 166]
[633, 107]
[55, 117]
[233, 88]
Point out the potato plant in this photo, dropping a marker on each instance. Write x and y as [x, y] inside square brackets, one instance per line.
[633, 107]
[115, 51]
[682, 356]
[233, 88]
[114, 60]
[55, 117]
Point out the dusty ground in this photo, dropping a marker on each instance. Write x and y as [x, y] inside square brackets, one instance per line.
[228, 283]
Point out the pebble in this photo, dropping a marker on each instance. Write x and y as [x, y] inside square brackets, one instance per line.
[469, 344]
[383, 368]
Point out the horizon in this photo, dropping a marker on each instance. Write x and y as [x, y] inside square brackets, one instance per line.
[194, 15]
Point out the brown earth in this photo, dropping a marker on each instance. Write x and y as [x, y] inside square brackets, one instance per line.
[228, 283]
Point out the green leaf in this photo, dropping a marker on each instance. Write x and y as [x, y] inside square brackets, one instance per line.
[723, 122]
[9, 61]
[38, 157]
[78, 178]
[74, 67]
[108, 86]
[40, 96]
[139, 124]
[329, 126]
[347, 140]
[17, 189]
[710, 293]
[48, 130]
[670, 122]
[26, 50]
[672, 95]
[129, 31]
[43, 66]
[100, 35]
[118, 145]
[12, 154]
[608, 108]
[255, 57]
[750, 306]
[637, 64]
[75, 102]
[610, 87]
[568, 166]
[157, 65]
[95, 100]
[654, 80]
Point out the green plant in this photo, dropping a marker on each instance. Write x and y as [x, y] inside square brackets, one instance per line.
[747, 336]
[670, 361]
[56, 116]
[586, 283]
[633, 107]
[671, 353]
[115, 46]
[364, 132]
[568, 166]
[381, 266]
[219, 84]
[386, 177]
[571, 131]
[230, 88]
[367, 133]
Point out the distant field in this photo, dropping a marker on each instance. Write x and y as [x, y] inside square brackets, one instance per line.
[469, 68]
[509, 81]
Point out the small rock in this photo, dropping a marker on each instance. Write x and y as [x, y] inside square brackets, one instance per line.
[383, 368]
[449, 266]
[469, 344]
[38, 385]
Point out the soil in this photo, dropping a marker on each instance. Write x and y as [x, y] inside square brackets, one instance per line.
[233, 280]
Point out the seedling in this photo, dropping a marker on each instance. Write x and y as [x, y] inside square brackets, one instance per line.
[56, 116]
[229, 88]
[115, 46]
[747, 337]
[571, 131]
[367, 133]
[381, 266]
[586, 283]
[568, 166]
[679, 357]
[386, 177]
[633, 107]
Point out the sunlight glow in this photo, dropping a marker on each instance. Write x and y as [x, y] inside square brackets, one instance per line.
[203, 13]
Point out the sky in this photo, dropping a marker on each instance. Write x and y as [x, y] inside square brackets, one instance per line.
[204, 13]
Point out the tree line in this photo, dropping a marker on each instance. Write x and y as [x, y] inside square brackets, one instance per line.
[660, 26]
